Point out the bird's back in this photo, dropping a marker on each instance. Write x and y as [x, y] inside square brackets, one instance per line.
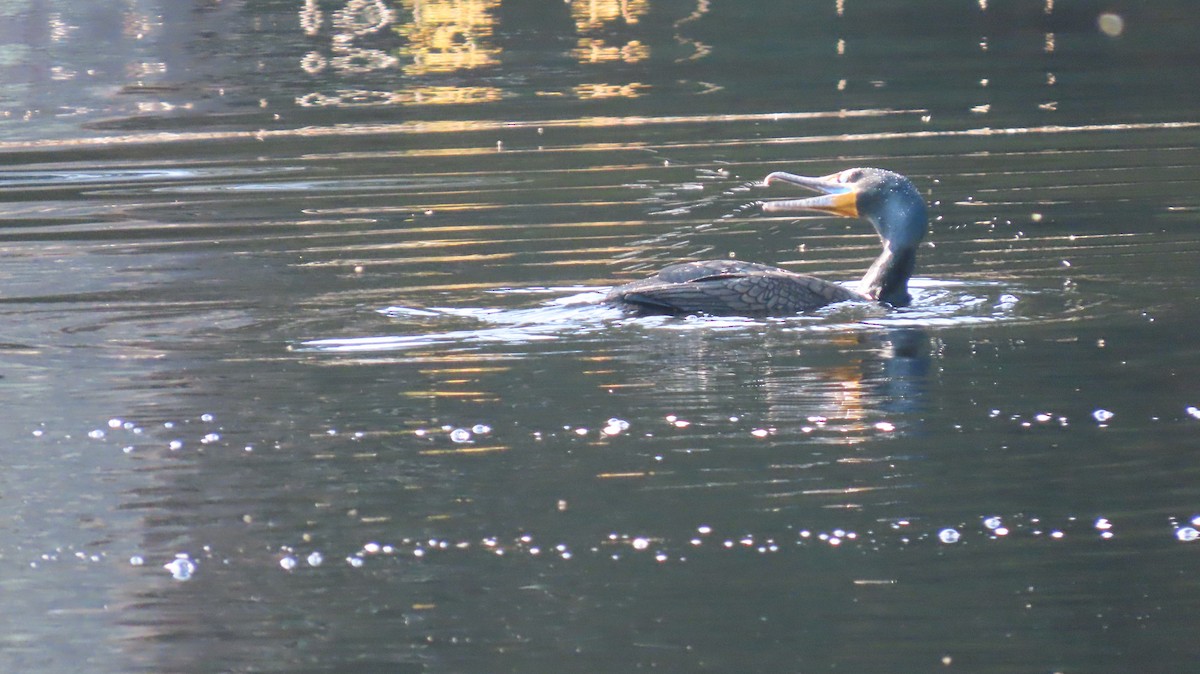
[729, 288]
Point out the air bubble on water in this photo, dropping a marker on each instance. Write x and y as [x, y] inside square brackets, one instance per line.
[136, 560]
[371, 548]
[96, 434]
[1187, 534]
[1193, 412]
[210, 438]
[481, 429]
[128, 449]
[175, 445]
[460, 435]
[114, 423]
[993, 522]
[206, 417]
[315, 559]
[288, 563]
[418, 552]
[181, 567]
[1102, 524]
[1102, 415]
[168, 424]
[949, 536]
[704, 529]
[355, 562]
[37, 432]
[640, 543]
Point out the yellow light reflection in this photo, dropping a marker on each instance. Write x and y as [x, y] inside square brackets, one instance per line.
[595, 91]
[449, 35]
[592, 50]
[592, 14]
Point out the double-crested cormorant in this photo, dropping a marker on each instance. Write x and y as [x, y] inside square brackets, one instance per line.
[887, 200]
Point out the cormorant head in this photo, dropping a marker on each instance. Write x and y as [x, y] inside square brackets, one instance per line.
[887, 200]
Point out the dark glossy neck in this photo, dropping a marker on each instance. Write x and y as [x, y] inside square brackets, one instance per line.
[887, 279]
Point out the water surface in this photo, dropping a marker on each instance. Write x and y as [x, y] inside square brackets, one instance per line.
[305, 369]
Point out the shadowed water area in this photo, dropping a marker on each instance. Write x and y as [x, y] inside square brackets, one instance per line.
[305, 367]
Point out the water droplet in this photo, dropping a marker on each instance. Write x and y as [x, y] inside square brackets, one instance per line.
[181, 567]
[1193, 412]
[96, 434]
[480, 429]
[136, 560]
[640, 543]
[1187, 534]
[114, 423]
[210, 438]
[1102, 524]
[993, 523]
[949, 536]
[288, 563]
[206, 417]
[1102, 415]
[175, 445]
[356, 562]
[460, 435]
[315, 559]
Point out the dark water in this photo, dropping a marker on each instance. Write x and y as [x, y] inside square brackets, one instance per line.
[303, 369]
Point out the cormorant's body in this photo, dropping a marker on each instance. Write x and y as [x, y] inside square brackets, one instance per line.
[732, 288]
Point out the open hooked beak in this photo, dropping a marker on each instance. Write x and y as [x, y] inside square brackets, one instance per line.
[838, 198]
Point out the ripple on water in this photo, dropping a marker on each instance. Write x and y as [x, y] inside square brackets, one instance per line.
[576, 311]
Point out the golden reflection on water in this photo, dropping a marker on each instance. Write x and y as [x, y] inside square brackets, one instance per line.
[443, 37]
[448, 36]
